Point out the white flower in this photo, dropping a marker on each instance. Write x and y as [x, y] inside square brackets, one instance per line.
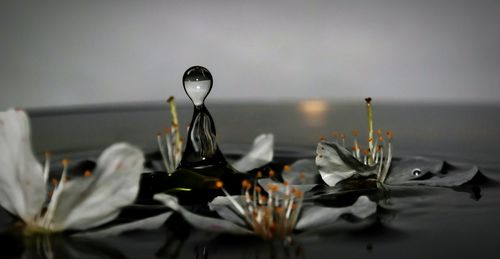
[75, 204]
[273, 216]
[336, 163]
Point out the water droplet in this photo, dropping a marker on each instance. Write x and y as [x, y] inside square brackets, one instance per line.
[197, 83]
[416, 172]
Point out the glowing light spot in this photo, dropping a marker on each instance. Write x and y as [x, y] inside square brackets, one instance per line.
[314, 111]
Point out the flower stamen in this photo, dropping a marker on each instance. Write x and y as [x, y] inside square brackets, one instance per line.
[170, 142]
[270, 216]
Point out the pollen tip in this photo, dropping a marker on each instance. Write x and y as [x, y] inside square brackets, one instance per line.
[321, 138]
[65, 162]
[287, 168]
[271, 173]
[170, 99]
[259, 174]
[87, 173]
[219, 184]
[368, 100]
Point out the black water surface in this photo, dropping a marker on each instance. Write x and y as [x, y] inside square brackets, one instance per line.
[415, 222]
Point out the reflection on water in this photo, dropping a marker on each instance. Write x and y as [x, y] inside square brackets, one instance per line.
[61, 246]
[313, 112]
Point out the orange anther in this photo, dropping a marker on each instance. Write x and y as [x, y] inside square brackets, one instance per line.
[287, 168]
[87, 173]
[65, 162]
[271, 173]
[219, 184]
[54, 182]
[246, 184]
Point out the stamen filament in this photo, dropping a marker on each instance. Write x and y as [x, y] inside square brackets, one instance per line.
[175, 123]
[370, 121]
[46, 167]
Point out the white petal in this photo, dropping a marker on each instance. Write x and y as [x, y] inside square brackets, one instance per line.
[302, 167]
[91, 201]
[314, 217]
[260, 154]
[335, 163]
[22, 188]
[222, 205]
[202, 222]
[150, 223]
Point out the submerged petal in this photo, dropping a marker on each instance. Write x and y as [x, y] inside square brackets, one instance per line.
[260, 154]
[22, 187]
[430, 172]
[150, 223]
[87, 202]
[315, 217]
[202, 222]
[335, 163]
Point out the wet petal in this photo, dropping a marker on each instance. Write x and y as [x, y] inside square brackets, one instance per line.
[22, 187]
[150, 223]
[202, 222]
[430, 172]
[302, 172]
[222, 205]
[91, 201]
[335, 163]
[260, 154]
[314, 217]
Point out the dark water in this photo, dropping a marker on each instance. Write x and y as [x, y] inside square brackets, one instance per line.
[422, 222]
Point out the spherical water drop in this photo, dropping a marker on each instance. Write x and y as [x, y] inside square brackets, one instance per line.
[416, 172]
[197, 83]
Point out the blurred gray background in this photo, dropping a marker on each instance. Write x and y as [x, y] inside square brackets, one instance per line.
[58, 53]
